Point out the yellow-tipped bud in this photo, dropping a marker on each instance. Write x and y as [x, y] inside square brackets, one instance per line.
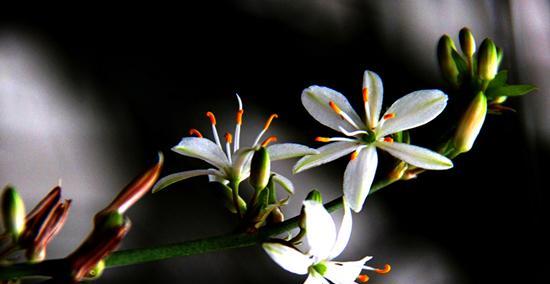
[260, 169]
[467, 42]
[470, 124]
[487, 60]
[13, 212]
[447, 65]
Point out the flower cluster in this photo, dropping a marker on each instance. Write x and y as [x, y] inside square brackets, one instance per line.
[364, 138]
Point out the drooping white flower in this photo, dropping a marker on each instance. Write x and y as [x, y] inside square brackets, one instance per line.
[325, 245]
[362, 137]
[232, 164]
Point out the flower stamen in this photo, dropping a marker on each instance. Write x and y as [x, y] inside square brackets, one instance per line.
[333, 139]
[195, 132]
[385, 270]
[388, 116]
[363, 278]
[342, 114]
[322, 139]
[239, 120]
[388, 139]
[352, 133]
[269, 140]
[212, 118]
[266, 127]
[228, 141]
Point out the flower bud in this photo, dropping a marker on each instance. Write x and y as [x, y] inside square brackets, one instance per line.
[315, 196]
[470, 124]
[13, 212]
[447, 65]
[499, 56]
[260, 169]
[467, 42]
[487, 60]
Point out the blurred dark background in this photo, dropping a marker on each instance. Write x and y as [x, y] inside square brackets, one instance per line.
[89, 96]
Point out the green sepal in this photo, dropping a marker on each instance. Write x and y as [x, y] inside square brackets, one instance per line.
[499, 81]
[510, 91]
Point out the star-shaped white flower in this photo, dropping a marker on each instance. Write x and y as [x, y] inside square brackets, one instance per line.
[233, 165]
[325, 245]
[332, 109]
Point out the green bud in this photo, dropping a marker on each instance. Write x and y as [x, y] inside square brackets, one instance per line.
[487, 60]
[447, 64]
[96, 272]
[467, 42]
[315, 196]
[499, 56]
[470, 124]
[260, 169]
[13, 212]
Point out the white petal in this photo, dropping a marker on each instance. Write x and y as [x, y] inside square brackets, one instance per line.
[373, 83]
[344, 272]
[241, 162]
[416, 156]
[316, 101]
[414, 109]
[173, 178]
[359, 176]
[288, 258]
[320, 229]
[315, 278]
[343, 234]
[327, 153]
[284, 182]
[203, 149]
[289, 150]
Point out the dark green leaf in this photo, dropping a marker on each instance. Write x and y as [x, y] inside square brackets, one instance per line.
[510, 91]
[499, 80]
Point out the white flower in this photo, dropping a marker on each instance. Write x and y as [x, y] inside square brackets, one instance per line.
[332, 109]
[233, 165]
[325, 245]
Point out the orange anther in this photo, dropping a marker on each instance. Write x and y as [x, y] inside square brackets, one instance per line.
[269, 140]
[269, 120]
[212, 118]
[322, 139]
[388, 139]
[354, 155]
[334, 107]
[365, 94]
[362, 278]
[228, 138]
[386, 269]
[240, 116]
[195, 132]
[389, 115]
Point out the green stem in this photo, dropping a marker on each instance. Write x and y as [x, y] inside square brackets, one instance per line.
[57, 267]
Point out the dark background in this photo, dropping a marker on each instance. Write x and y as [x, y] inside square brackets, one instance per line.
[155, 72]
